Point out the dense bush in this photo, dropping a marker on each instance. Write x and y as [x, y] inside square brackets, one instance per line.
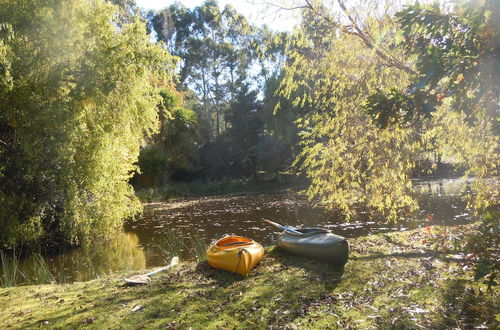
[78, 93]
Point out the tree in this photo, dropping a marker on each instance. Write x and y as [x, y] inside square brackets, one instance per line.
[244, 118]
[455, 96]
[351, 163]
[174, 150]
[456, 81]
[84, 89]
[350, 74]
[213, 44]
[268, 49]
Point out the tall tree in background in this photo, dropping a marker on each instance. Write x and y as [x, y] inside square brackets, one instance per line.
[268, 48]
[79, 93]
[245, 128]
[213, 45]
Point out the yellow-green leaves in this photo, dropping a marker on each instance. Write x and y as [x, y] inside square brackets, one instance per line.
[350, 161]
[85, 94]
[6, 34]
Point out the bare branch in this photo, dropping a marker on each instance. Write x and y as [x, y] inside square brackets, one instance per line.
[308, 5]
[354, 29]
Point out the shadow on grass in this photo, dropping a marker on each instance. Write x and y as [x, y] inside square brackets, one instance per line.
[314, 268]
[405, 255]
[279, 290]
[412, 252]
[221, 277]
[466, 307]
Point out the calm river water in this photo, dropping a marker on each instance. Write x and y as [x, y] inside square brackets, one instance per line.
[148, 241]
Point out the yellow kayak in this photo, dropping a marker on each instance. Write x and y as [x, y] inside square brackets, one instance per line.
[235, 254]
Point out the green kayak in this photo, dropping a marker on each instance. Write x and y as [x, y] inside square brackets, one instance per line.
[316, 243]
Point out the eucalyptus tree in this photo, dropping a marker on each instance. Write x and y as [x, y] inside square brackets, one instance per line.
[268, 48]
[213, 45]
[79, 93]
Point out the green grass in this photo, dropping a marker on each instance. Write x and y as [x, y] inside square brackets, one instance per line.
[41, 271]
[171, 245]
[10, 274]
[396, 280]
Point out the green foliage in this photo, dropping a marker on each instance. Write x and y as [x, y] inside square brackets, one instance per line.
[483, 244]
[458, 68]
[456, 56]
[348, 80]
[213, 44]
[233, 153]
[222, 54]
[83, 96]
[10, 273]
[6, 35]
[268, 48]
[152, 165]
[181, 140]
[280, 125]
[350, 161]
[270, 154]
[395, 107]
[245, 127]
[457, 59]
[174, 149]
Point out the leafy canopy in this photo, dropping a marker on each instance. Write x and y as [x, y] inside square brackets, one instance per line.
[428, 91]
[457, 56]
[349, 160]
[81, 94]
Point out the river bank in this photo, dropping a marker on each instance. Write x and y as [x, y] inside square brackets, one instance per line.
[413, 279]
[181, 227]
[224, 187]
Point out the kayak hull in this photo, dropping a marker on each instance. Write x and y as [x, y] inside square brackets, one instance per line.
[316, 243]
[235, 254]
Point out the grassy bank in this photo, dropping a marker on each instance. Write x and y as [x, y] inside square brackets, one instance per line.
[412, 279]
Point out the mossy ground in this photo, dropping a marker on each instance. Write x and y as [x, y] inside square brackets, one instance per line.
[408, 280]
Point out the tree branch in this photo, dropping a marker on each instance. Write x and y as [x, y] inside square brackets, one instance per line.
[353, 29]
[308, 5]
[369, 43]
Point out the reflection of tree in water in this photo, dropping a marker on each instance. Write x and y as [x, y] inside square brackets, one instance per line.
[441, 202]
[441, 189]
[119, 252]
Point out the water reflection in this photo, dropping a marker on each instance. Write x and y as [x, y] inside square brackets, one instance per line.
[121, 251]
[209, 218]
[142, 244]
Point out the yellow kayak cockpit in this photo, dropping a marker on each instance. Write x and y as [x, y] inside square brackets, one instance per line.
[235, 254]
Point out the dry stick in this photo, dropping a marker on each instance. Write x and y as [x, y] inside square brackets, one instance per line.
[144, 278]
